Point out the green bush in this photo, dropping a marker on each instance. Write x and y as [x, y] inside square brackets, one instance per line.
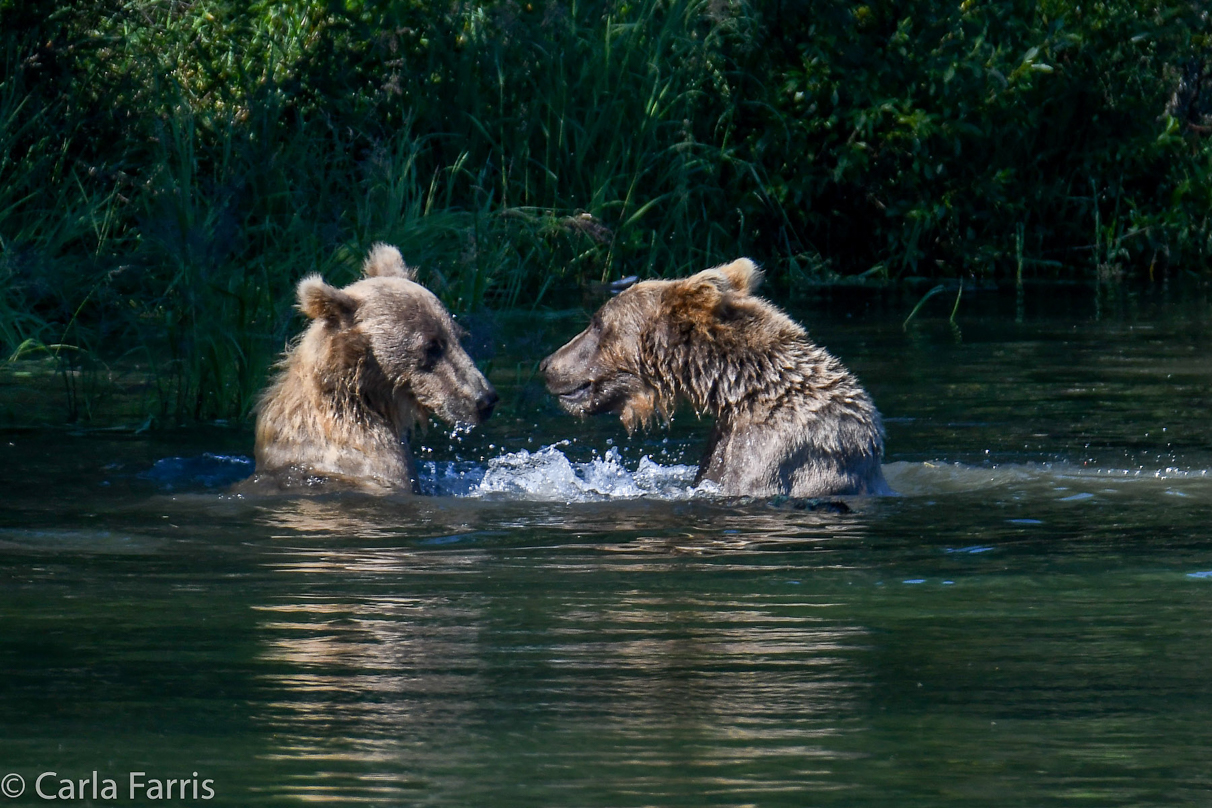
[169, 170]
[928, 134]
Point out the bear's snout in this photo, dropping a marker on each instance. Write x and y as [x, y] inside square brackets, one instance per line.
[546, 371]
[564, 369]
[552, 369]
[485, 403]
[557, 379]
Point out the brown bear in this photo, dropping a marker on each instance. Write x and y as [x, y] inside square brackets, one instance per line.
[379, 357]
[789, 418]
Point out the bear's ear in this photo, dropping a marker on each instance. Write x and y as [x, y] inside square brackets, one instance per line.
[742, 274]
[385, 261]
[319, 300]
[696, 301]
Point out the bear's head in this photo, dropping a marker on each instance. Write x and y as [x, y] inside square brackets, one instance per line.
[661, 341]
[389, 343]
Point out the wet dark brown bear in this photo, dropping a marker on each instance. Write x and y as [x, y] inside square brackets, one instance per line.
[380, 356]
[789, 418]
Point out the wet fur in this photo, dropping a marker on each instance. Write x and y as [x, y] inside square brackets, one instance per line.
[789, 417]
[379, 357]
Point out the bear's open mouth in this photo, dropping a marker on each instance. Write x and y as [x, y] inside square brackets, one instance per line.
[576, 394]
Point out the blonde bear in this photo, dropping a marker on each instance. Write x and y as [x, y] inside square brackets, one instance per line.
[379, 357]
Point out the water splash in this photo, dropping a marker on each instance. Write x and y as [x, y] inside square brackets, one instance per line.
[548, 475]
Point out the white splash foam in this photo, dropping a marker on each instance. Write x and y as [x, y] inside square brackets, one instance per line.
[548, 475]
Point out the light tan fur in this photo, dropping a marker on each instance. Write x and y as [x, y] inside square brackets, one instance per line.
[789, 418]
[379, 357]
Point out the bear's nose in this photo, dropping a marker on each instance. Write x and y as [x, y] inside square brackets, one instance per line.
[544, 365]
[486, 402]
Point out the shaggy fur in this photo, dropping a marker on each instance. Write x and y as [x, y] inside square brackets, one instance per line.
[789, 418]
[379, 357]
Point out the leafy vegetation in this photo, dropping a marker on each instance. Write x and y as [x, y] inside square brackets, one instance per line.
[169, 169]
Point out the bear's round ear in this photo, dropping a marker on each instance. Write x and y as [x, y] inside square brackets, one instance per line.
[385, 261]
[743, 275]
[318, 300]
[695, 301]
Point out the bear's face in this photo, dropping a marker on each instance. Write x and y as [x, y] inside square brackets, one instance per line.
[597, 371]
[400, 343]
[623, 361]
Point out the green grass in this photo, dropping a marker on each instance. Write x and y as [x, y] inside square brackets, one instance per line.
[169, 170]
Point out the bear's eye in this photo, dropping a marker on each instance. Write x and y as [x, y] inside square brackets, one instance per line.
[434, 349]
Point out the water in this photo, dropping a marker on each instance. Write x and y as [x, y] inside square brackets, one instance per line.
[571, 622]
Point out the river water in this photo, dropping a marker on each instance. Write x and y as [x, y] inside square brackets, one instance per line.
[568, 622]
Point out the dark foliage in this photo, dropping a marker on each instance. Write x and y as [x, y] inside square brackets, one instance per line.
[168, 170]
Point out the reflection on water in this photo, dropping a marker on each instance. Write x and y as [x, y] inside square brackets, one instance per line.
[1038, 479]
[450, 682]
[571, 622]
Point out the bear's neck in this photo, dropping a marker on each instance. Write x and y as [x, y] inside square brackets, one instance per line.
[339, 419]
[734, 382]
[365, 404]
[789, 418]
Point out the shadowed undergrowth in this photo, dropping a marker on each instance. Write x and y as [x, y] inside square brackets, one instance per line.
[168, 171]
